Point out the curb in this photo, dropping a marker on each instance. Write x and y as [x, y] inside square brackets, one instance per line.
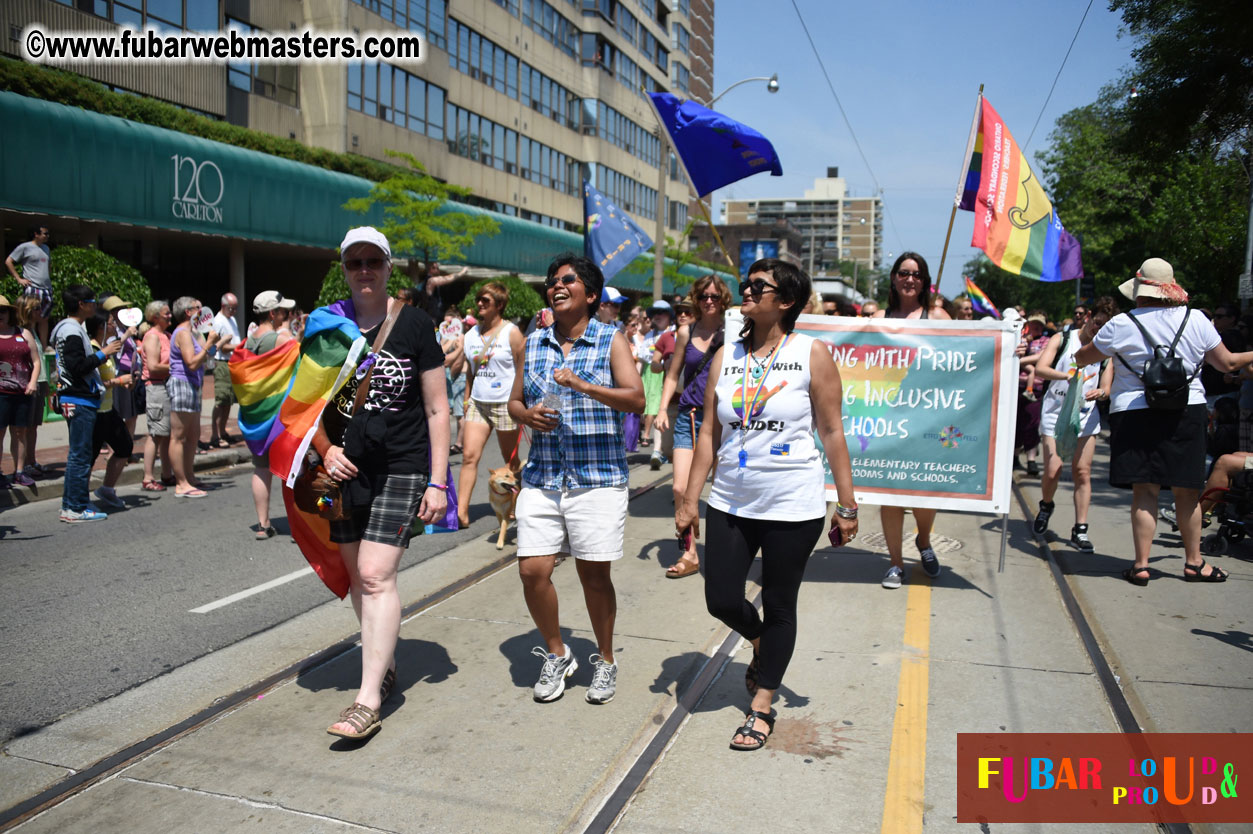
[133, 474]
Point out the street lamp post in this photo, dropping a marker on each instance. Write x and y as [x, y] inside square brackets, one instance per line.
[772, 85]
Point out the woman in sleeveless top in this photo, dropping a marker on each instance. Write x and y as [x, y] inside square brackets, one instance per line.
[156, 370]
[187, 360]
[695, 343]
[909, 297]
[273, 331]
[493, 347]
[1056, 366]
[20, 368]
[768, 393]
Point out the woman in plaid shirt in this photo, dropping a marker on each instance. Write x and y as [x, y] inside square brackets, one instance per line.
[578, 379]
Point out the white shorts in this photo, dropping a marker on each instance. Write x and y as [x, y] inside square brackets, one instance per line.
[585, 523]
[1089, 415]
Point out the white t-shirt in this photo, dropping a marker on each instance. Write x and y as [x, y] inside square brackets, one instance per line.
[491, 364]
[229, 331]
[783, 478]
[1121, 338]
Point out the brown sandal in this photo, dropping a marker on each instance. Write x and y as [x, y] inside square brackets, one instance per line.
[389, 683]
[681, 569]
[363, 719]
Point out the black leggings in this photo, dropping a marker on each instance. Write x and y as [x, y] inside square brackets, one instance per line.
[731, 544]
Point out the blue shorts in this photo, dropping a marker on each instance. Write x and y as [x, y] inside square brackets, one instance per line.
[686, 427]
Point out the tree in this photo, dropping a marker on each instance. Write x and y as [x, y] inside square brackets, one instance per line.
[416, 221]
[678, 259]
[524, 302]
[1005, 289]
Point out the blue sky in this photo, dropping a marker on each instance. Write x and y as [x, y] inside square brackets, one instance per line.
[907, 74]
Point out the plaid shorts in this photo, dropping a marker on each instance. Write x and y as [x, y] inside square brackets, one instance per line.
[45, 298]
[389, 519]
[495, 415]
[184, 397]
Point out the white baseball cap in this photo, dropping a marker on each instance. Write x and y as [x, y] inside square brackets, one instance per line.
[271, 300]
[366, 234]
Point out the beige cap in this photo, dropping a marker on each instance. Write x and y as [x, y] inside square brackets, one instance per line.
[1154, 279]
[271, 300]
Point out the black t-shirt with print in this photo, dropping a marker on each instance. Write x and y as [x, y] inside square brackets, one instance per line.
[390, 433]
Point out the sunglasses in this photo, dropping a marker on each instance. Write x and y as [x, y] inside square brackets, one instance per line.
[567, 279]
[909, 273]
[357, 264]
[484, 299]
[709, 296]
[757, 288]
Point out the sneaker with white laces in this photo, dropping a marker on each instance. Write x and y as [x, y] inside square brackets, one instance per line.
[894, 577]
[1042, 517]
[108, 497]
[89, 514]
[655, 462]
[604, 681]
[930, 562]
[552, 677]
[1079, 538]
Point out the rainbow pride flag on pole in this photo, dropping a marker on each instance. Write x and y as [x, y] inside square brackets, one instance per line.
[1015, 224]
[979, 300]
[261, 383]
[329, 353]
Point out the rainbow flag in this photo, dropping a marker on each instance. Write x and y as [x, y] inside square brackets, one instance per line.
[329, 352]
[979, 300]
[1015, 224]
[261, 382]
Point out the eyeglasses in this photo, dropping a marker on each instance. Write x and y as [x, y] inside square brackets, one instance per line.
[357, 264]
[709, 296]
[909, 273]
[757, 288]
[567, 279]
[484, 299]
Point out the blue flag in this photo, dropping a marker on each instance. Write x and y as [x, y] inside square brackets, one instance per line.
[715, 150]
[612, 238]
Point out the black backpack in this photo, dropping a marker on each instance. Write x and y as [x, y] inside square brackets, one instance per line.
[1166, 383]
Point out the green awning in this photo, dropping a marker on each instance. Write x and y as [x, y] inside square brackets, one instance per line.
[69, 162]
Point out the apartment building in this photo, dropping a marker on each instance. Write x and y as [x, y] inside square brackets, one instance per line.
[833, 226]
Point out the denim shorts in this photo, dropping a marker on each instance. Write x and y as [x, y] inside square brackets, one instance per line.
[687, 426]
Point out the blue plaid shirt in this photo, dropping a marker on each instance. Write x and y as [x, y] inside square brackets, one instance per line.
[587, 447]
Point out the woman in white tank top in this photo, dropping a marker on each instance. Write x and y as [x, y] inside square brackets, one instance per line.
[767, 394]
[493, 348]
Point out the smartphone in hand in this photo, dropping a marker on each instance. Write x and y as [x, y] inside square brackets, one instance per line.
[835, 535]
[685, 540]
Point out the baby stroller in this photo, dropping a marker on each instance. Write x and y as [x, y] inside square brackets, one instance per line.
[1233, 513]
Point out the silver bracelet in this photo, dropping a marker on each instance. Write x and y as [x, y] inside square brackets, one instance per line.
[845, 512]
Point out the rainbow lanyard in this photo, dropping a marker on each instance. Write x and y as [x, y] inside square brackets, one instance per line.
[747, 416]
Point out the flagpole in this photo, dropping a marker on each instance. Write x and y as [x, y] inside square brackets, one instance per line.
[961, 181]
[717, 237]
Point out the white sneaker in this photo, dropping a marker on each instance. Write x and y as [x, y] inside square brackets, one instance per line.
[893, 578]
[552, 677]
[604, 681]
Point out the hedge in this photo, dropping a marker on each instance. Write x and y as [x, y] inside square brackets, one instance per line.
[76, 265]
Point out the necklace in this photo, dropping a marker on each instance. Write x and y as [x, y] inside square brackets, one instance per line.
[758, 369]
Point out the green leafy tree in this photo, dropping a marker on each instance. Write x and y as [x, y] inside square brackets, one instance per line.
[335, 285]
[415, 219]
[679, 258]
[1007, 290]
[524, 301]
[77, 265]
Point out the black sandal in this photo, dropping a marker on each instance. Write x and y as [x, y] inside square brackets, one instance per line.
[1132, 575]
[1216, 574]
[749, 729]
[750, 674]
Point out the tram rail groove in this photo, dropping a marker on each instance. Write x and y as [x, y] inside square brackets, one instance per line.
[79, 781]
[1059, 567]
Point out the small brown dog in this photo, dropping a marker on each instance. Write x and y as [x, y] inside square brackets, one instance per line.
[502, 491]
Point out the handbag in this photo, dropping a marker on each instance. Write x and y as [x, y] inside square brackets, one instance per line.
[315, 491]
[1070, 418]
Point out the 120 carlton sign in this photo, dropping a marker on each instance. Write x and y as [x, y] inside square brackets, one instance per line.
[198, 189]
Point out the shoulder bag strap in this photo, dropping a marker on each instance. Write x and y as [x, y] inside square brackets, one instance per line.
[1148, 341]
[363, 389]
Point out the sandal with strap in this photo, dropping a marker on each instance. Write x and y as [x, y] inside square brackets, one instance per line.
[750, 730]
[751, 673]
[1216, 574]
[1133, 576]
[389, 683]
[152, 486]
[364, 721]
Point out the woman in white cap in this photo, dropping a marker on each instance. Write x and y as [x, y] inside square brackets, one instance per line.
[1159, 441]
[272, 314]
[391, 458]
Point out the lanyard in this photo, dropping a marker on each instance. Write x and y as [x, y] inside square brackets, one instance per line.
[747, 414]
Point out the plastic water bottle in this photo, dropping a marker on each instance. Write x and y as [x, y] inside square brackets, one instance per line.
[554, 396]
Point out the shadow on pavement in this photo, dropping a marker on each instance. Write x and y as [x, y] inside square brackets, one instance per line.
[524, 668]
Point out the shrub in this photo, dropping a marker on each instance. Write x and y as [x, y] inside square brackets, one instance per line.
[524, 301]
[76, 265]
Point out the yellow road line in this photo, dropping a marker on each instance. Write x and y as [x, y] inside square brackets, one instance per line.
[904, 802]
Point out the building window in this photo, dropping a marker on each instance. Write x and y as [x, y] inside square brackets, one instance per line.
[280, 82]
[551, 26]
[682, 39]
[510, 6]
[682, 78]
[393, 95]
[426, 17]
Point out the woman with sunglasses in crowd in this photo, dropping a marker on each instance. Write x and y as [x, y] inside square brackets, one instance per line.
[909, 297]
[493, 347]
[696, 343]
[578, 379]
[768, 393]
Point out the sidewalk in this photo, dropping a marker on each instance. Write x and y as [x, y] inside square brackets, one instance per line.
[52, 449]
[465, 749]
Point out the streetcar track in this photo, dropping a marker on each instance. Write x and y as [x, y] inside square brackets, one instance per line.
[81, 780]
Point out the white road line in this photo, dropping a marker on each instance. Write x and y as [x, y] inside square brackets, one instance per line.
[256, 589]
